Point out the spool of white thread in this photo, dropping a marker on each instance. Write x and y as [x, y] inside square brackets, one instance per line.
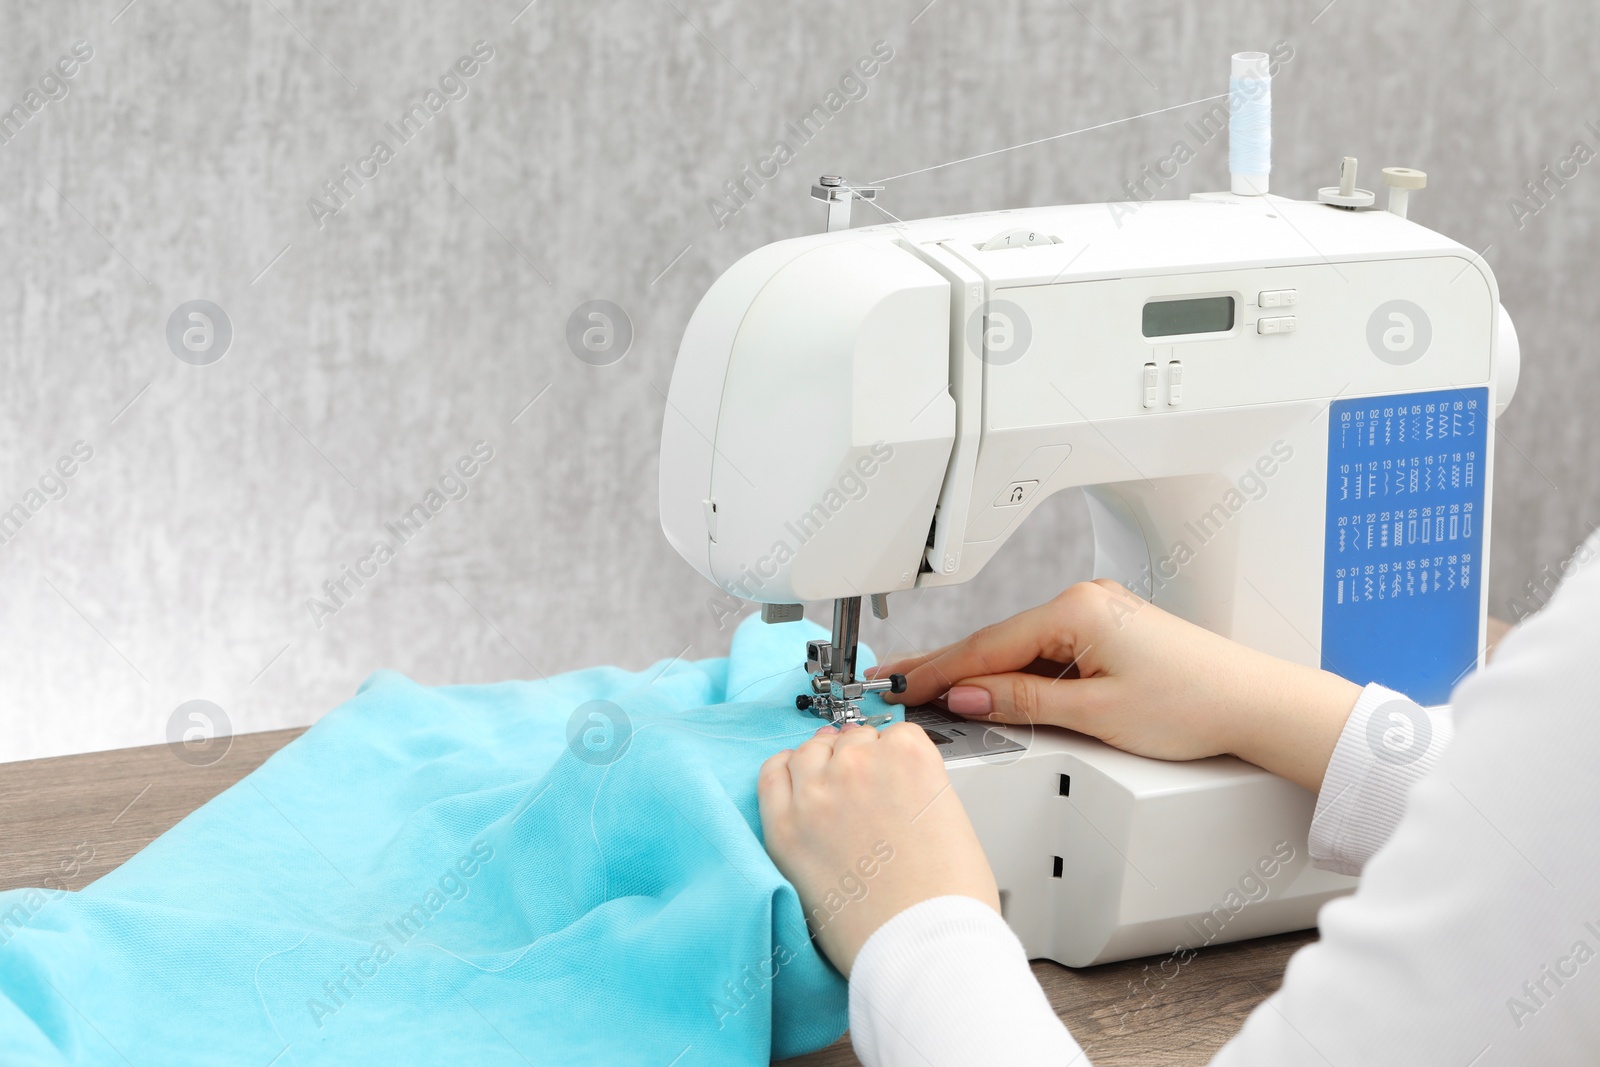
[1250, 123]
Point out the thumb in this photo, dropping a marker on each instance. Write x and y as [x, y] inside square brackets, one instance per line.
[1022, 699]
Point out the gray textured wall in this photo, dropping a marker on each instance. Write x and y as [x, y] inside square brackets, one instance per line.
[371, 351]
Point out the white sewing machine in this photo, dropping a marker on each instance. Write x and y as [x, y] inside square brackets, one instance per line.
[1281, 413]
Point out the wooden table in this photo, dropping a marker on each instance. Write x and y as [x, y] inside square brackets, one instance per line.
[87, 814]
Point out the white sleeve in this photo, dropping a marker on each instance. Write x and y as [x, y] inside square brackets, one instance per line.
[1474, 935]
[1388, 745]
[946, 983]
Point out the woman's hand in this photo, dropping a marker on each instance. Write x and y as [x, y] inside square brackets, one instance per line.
[865, 825]
[1102, 661]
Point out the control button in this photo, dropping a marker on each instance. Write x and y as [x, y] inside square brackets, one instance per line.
[1281, 324]
[1277, 298]
[1015, 494]
[1149, 385]
[1041, 466]
[1174, 383]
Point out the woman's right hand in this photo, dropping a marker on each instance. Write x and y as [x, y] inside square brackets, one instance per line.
[1102, 661]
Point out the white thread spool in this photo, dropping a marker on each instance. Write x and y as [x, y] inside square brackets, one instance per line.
[1249, 123]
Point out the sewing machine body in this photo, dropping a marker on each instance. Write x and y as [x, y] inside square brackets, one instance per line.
[1105, 856]
[877, 410]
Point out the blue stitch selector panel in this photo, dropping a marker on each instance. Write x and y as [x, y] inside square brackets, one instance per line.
[1402, 567]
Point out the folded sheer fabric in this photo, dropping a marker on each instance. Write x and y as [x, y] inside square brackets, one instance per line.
[555, 872]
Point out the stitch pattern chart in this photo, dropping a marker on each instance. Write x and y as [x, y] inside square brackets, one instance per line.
[1403, 552]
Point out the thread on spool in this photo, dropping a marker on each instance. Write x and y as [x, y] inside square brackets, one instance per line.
[1250, 123]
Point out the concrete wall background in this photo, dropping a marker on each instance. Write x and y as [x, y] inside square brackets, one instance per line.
[371, 352]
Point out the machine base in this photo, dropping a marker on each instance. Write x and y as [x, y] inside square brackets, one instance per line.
[1103, 856]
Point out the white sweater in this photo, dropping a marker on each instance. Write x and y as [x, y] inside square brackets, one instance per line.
[1473, 939]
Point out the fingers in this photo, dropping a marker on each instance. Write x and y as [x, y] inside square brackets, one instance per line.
[1021, 699]
[854, 735]
[1006, 646]
[813, 751]
[775, 789]
[785, 776]
[785, 771]
[903, 664]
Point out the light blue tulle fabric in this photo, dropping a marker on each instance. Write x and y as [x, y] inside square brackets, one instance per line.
[491, 874]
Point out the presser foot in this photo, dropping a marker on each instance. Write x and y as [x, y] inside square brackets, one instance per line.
[840, 712]
[835, 690]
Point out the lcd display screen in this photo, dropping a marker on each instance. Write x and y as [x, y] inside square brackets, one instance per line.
[1206, 314]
